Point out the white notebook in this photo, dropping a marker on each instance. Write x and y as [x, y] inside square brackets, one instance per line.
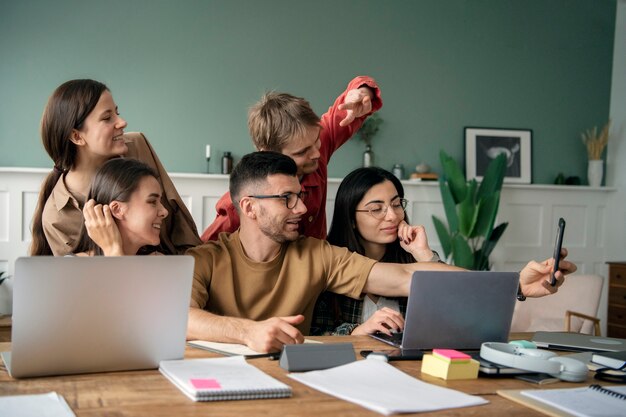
[590, 401]
[234, 349]
[217, 379]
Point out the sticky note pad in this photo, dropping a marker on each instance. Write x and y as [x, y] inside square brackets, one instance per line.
[205, 383]
[451, 355]
[441, 368]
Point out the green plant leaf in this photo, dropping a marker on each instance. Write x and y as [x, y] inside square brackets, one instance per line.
[468, 214]
[369, 128]
[462, 253]
[494, 176]
[444, 237]
[482, 255]
[454, 176]
[449, 206]
[487, 215]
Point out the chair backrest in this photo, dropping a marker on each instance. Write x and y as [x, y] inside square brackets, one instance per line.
[579, 293]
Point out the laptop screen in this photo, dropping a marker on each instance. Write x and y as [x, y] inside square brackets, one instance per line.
[459, 309]
[92, 314]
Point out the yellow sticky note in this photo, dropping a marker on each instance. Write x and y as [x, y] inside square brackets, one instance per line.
[432, 365]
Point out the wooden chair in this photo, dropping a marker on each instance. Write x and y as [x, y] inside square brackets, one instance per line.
[573, 308]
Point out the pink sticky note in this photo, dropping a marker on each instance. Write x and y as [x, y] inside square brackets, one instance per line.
[205, 383]
[451, 355]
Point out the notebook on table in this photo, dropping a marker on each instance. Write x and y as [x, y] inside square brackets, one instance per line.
[94, 314]
[590, 401]
[578, 342]
[218, 379]
[456, 310]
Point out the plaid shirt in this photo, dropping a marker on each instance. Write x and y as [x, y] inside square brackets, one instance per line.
[339, 315]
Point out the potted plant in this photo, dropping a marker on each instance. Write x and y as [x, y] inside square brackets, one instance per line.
[366, 133]
[595, 144]
[471, 211]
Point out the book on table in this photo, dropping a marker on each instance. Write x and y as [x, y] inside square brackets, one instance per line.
[613, 360]
[217, 379]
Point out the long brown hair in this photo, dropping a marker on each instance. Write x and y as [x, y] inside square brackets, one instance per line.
[116, 180]
[66, 110]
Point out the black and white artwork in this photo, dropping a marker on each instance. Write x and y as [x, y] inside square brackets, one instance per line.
[482, 145]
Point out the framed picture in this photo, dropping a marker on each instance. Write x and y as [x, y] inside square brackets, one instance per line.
[484, 144]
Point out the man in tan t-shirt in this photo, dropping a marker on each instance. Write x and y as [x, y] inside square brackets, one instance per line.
[258, 285]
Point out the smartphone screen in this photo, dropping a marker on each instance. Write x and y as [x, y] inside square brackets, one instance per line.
[397, 354]
[557, 249]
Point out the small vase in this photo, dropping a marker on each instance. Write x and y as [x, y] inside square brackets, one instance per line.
[368, 157]
[595, 171]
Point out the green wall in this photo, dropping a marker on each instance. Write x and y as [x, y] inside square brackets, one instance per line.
[184, 72]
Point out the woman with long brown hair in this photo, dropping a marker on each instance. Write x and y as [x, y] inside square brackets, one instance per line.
[81, 129]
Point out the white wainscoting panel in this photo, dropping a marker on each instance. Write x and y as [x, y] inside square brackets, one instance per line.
[532, 212]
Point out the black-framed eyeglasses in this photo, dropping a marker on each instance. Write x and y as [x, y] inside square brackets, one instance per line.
[291, 199]
[379, 210]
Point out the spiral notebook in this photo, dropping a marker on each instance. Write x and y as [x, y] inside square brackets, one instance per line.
[590, 401]
[220, 379]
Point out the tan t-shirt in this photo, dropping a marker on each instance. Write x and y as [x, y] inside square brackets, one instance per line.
[62, 216]
[226, 282]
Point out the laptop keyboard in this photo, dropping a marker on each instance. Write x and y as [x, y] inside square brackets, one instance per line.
[395, 338]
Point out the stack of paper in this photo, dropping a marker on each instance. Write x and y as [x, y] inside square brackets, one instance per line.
[380, 387]
[40, 405]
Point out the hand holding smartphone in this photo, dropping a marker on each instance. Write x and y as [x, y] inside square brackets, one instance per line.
[557, 250]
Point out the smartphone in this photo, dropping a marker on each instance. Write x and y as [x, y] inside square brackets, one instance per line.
[397, 354]
[557, 249]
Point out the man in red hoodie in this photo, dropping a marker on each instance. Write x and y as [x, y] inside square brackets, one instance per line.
[283, 123]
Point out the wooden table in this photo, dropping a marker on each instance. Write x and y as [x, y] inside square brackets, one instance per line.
[5, 328]
[148, 393]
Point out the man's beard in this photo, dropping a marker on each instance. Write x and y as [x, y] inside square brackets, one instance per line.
[273, 231]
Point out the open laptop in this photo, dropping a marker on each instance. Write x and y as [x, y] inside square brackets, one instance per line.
[95, 314]
[456, 310]
[578, 342]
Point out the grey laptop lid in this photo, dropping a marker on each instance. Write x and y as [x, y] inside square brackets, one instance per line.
[93, 314]
[459, 309]
[578, 342]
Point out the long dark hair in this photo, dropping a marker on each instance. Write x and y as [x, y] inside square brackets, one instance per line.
[116, 180]
[343, 231]
[66, 110]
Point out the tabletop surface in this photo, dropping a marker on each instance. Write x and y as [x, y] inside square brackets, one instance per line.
[148, 393]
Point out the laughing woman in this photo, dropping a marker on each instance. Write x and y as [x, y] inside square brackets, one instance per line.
[369, 219]
[81, 129]
[123, 212]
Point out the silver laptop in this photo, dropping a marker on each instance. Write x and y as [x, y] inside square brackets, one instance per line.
[578, 342]
[95, 314]
[456, 310]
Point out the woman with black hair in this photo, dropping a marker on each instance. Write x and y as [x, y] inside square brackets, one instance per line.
[369, 219]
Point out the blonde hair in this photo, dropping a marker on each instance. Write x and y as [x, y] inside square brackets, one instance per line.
[278, 118]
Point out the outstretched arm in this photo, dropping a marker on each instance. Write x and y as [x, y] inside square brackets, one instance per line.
[394, 279]
[102, 229]
[263, 336]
